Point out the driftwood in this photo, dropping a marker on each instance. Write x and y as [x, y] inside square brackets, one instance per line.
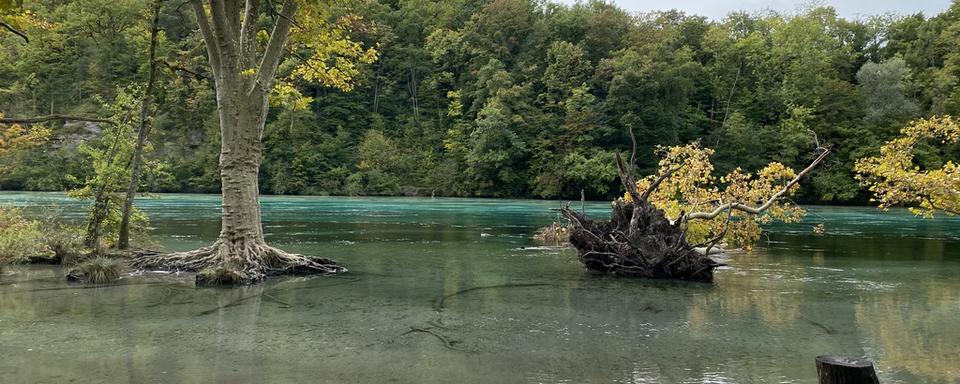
[639, 240]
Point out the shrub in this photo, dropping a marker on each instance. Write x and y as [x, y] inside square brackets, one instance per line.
[63, 241]
[20, 238]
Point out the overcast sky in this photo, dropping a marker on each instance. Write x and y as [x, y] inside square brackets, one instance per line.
[847, 8]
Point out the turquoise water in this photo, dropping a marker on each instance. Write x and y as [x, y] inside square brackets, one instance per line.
[885, 286]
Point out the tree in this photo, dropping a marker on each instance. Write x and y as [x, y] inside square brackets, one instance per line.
[244, 73]
[107, 157]
[143, 128]
[895, 177]
[883, 88]
[655, 228]
[495, 150]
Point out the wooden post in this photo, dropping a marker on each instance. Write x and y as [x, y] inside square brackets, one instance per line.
[844, 370]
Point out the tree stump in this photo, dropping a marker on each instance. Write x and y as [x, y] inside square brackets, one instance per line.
[844, 370]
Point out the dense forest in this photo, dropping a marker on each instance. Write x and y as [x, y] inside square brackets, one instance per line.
[503, 98]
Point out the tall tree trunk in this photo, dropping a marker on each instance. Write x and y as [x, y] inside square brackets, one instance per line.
[142, 130]
[377, 84]
[240, 156]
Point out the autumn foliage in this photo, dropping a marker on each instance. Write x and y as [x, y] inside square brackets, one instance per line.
[692, 186]
[895, 178]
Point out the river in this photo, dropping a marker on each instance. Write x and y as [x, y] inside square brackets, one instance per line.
[454, 290]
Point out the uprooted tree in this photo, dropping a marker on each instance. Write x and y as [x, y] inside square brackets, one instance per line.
[667, 225]
[244, 59]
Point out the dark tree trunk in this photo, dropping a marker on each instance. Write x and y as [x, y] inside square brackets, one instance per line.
[142, 130]
[843, 370]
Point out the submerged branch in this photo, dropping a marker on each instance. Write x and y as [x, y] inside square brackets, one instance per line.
[446, 341]
[439, 304]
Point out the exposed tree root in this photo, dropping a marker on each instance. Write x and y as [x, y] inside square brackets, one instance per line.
[237, 262]
[637, 244]
[640, 241]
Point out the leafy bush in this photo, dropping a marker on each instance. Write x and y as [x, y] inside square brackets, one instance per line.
[20, 238]
[108, 157]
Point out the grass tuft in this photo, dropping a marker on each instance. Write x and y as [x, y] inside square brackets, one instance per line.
[101, 270]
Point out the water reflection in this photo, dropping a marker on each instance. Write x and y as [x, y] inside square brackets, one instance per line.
[914, 332]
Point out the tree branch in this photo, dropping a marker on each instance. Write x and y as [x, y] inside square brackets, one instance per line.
[173, 67]
[626, 178]
[773, 199]
[656, 183]
[274, 53]
[43, 119]
[628, 175]
[231, 9]
[227, 40]
[209, 39]
[248, 32]
[15, 31]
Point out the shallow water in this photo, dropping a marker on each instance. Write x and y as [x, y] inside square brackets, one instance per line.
[498, 308]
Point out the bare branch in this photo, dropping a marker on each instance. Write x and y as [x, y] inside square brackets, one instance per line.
[726, 112]
[54, 117]
[14, 31]
[633, 150]
[173, 67]
[773, 199]
[628, 175]
[626, 178]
